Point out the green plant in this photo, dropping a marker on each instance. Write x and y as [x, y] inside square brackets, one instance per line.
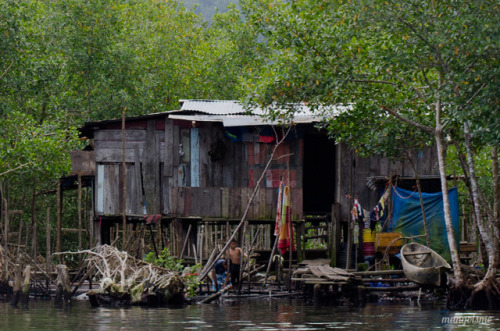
[191, 279]
[165, 260]
[189, 273]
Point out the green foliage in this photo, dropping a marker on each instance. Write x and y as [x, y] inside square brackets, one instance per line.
[377, 56]
[318, 243]
[208, 8]
[191, 279]
[65, 62]
[189, 273]
[165, 260]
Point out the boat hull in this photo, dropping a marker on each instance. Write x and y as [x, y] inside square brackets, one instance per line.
[423, 266]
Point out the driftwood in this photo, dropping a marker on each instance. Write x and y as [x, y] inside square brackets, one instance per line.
[125, 280]
[216, 295]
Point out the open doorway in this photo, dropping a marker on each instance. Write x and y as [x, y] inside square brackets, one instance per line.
[319, 173]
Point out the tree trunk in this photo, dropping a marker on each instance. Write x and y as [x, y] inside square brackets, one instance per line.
[483, 231]
[438, 133]
[496, 190]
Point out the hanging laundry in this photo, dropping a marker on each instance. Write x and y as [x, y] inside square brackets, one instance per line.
[357, 212]
[286, 229]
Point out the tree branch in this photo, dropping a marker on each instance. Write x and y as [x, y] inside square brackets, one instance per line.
[420, 95]
[7, 70]
[407, 121]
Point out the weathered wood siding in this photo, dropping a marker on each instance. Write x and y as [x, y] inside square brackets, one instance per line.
[170, 171]
[354, 171]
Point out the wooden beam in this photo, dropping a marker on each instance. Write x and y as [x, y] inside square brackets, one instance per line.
[59, 221]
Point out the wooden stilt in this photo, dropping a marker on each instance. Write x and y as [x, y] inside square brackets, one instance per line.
[16, 291]
[47, 246]
[80, 216]
[33, 222]
[19, 237]
[185, 242]
[153, 239]
[63, 289]
[124, 187]
[59, 221]
[25, 289]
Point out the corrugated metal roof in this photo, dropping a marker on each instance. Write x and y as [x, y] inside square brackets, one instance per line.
[232, 113]
[232, 107]
[229, 112]
[213, 107]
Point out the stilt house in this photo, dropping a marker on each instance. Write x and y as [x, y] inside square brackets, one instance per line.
[195, 169]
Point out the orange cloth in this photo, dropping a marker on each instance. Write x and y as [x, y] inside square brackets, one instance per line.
[286, 228]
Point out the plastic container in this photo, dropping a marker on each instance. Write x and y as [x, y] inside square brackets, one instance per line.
[382, 240]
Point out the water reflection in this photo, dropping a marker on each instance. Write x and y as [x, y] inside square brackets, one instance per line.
[256, 314]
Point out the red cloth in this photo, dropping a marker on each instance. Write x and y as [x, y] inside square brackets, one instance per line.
[152, 219]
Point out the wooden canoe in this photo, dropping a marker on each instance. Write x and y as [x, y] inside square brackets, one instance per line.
[422, 265]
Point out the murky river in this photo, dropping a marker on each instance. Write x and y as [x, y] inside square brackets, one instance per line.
[249, 314]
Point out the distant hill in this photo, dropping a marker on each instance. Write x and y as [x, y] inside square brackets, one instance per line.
[208, 7]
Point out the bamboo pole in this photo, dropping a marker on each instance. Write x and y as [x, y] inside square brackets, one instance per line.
[47, 244]
[6, 222]
[271, 260]
[80, 215]
[19, 237]
[153, 240]
[124, 183]
[33, 222]
[185, 242]
[59, 220]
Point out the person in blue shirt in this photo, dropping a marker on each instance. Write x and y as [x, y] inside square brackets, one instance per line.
[219, 274]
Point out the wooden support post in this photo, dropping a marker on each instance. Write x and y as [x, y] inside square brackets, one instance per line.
[153, 239]
[124, 187]
[6, 223]
[185, 242]
[142, 244]
[160, 235]
[63, 289]
[25, 289]
[47, 245]
[80, 215]
[317, 294]
[334, 240]
[87, 221]
[33, 222]
[59, 221]
[300, 240]
[5, 249]
[16, 292]
[19, 237]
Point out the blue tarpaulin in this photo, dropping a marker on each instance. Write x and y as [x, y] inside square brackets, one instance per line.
[407, 218]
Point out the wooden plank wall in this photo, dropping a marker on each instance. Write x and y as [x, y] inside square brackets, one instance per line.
[170, 170]
[358, 169]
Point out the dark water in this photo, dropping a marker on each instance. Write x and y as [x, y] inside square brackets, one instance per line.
[249, 314]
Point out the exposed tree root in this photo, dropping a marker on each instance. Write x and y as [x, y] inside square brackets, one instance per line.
[482, 296]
